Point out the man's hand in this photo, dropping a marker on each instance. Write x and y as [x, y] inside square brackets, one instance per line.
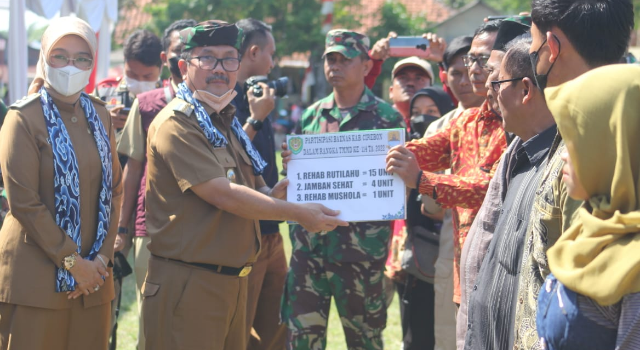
[403, 162]
[380, 50]
[118, 119]
[120, 242]
[88, 275]
[286, 155]
[279, 190]
[436, 47]
[260, 107]
[317, 217]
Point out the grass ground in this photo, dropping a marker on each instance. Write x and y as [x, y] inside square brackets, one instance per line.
[128, 321]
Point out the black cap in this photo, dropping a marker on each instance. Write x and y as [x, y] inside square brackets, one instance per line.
[459, 45]
[509, 30]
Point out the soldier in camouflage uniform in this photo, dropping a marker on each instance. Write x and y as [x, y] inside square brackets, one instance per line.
[346, 263]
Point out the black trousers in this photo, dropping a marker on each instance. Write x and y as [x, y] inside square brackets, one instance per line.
[417, 299]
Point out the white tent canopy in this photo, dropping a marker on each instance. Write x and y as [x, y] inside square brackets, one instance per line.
[100, 14]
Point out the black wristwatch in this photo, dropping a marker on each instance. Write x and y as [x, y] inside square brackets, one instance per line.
[255, 124]
[123, 230]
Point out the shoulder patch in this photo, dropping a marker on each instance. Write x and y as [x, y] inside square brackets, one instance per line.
[25, 101]
[97, 100]
[183, 107]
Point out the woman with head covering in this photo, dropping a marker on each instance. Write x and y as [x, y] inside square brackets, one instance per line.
[62, 177]
[426, 106]
[591, 299]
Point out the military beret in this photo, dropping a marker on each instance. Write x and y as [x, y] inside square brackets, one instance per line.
[212, 33]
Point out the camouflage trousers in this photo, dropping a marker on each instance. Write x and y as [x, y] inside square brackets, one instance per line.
[359, 296]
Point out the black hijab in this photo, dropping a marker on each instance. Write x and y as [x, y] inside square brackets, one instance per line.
[441, 99]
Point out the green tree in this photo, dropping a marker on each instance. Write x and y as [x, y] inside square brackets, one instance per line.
[510, 6]
[296, 23]
[636, 13]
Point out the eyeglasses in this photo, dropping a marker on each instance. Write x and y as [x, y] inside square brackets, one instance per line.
[470, 59]
[229, 64]
[495, 85]
[60, 61]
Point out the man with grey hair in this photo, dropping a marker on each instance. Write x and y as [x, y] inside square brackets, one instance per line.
[492, 300]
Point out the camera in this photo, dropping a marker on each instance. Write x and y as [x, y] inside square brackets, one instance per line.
[280, 85]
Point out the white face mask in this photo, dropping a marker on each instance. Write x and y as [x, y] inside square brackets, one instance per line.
[67, 80]
[137, 87]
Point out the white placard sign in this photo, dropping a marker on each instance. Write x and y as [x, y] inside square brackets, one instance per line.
[346, 171]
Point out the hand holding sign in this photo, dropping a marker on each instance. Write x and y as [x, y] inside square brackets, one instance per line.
[402, 162]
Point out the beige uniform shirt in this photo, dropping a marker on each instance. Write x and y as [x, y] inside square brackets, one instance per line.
[132, 141]
[181, 225]
[31, 243]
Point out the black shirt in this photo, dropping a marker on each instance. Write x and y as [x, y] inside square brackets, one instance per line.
[492, 302]
[264, 143]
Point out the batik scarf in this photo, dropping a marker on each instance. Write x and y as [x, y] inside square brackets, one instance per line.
[214, 136]
[66, 179]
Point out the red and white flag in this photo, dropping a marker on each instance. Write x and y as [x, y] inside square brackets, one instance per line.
[327, 12]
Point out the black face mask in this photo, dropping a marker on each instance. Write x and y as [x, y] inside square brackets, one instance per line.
[541, 79]
[419, 125]
[173, 66]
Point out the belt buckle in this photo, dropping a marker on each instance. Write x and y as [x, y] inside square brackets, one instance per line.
[245, 271]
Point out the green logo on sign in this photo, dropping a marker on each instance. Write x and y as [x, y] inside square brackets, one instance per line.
[295, 144]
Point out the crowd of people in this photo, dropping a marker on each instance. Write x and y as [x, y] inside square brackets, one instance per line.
[521, 174]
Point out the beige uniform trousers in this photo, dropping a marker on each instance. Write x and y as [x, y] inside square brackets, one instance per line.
[34, 328]
[140, 264]
[191, 308]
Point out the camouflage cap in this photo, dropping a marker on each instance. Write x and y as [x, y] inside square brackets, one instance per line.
[349, 43]
[212, 33]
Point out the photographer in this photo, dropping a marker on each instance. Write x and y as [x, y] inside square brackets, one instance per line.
[267, 278]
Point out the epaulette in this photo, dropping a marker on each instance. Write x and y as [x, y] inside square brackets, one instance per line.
[184, 108]
[25, 101]
[97, 100]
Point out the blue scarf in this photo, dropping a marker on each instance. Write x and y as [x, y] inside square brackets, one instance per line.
[66, 179]
[214, 136]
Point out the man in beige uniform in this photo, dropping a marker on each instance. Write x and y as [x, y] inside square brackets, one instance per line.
[207, 194]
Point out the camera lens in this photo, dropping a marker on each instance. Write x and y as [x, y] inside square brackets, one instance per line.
[280, 86]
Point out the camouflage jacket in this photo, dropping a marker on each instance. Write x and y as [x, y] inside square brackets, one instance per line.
[362, 241]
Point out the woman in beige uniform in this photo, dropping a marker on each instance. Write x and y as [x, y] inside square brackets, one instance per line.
[62, 176]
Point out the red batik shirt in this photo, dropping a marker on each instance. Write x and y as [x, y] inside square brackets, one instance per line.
[470, 145]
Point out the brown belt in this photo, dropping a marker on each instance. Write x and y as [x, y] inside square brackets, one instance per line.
[225, 270]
